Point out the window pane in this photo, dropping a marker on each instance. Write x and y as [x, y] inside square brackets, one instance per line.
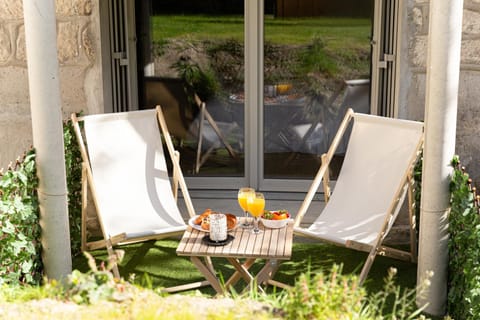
[193, 62]
[316, 65]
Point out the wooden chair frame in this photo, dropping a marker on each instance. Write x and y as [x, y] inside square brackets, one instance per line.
[108, 242]
[378, 248]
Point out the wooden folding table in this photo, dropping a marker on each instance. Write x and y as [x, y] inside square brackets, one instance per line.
[272, 245]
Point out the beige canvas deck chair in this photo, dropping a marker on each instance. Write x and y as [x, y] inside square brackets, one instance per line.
[375, 177]
[124, 166]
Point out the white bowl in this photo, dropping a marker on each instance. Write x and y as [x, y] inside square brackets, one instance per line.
[275, 224]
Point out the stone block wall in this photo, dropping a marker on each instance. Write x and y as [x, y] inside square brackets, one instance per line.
[78, 40]
[414, 76]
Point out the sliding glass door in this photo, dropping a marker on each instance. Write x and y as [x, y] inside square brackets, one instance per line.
[193, 67]
[316, 64]
[253, 90]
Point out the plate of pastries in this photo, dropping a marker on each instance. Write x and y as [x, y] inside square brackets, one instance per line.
[201, 222]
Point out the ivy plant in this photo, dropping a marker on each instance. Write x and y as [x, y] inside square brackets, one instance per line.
[73, 166]
[464, 248]
[20, 232]
[20, 247]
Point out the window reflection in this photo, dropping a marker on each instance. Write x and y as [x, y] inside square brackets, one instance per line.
[316, 64]
[312, 51]
[195, 54]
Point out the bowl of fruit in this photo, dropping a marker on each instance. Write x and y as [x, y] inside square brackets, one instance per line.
[275, 219]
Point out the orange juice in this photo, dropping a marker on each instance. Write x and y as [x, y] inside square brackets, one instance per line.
[256, 206]
[243, 196]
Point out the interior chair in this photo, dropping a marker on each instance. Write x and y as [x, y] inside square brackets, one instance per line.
[318, 134]
[375, 178]
[124, 169]
[187, 117]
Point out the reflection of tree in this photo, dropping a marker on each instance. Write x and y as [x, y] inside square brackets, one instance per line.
[227, 60]
[324, 109]
[280, 63]
[321, 99]
[311, 69]
[202, 82]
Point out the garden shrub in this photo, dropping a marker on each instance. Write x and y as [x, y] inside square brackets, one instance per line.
[417, 193]
[20, 232]
[73, 167]
[464, 248]
[20, 247]
[325, 296]
[98, 284]
[336, 296]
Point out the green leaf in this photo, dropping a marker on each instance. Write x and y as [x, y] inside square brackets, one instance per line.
[22, 177]
[18, 246]
[8, 227]
[27, 266]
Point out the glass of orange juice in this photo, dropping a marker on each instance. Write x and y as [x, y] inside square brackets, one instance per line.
[256, 205]
[243, 195]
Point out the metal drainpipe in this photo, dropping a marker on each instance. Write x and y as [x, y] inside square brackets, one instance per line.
[41, 48]
[443, 69]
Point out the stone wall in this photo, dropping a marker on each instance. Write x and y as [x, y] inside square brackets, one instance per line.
[78, 38]
[414, 76]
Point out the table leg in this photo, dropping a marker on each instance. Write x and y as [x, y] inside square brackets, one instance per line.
[268, 271]
[247, 276]
[238, 274]
[265, 275]
[209, 264]
[208, 274]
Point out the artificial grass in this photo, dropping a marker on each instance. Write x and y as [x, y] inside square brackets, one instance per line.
[155, 264]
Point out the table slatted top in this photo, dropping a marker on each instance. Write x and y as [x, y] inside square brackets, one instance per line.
[270, 244]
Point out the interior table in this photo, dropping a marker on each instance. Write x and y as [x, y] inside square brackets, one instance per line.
[272, 245]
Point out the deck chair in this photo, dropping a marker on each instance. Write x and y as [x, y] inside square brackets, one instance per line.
[125, 170]
[187, 116]
[374, 180]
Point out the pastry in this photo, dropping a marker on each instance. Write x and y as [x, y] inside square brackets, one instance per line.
[206, 224]
[231, 221]
[200, 218]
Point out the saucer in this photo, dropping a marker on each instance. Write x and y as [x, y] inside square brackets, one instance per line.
[206, 240]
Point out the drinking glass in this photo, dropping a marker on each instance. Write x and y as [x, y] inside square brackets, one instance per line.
[243, 195]
[256, 205]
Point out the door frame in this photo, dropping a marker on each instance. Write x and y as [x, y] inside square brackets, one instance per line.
[254, 62]
[254, 126]
[386, 57]
[119, 59]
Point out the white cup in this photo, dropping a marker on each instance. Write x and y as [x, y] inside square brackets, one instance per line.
[218, 227]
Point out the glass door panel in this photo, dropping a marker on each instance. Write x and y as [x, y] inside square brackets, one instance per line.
[193, 66]
[275, 79]
[316, 65]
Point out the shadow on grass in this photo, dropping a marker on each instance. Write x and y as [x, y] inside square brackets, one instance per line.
[155, 264]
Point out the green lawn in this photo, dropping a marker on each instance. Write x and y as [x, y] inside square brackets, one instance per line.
[295, 48]
[338, 32]
[155, 263]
